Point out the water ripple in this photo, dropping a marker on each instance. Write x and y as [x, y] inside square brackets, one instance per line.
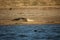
[30, 32]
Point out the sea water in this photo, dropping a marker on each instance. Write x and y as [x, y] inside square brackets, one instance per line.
[30, 32]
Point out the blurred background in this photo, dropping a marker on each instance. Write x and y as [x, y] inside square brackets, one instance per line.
[42, 11]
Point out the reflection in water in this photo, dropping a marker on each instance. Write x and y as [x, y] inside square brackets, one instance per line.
[30, 32]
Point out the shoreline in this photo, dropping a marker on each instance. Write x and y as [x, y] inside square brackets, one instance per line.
[9, 22]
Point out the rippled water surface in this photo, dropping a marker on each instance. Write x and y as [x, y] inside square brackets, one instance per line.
[30, 32]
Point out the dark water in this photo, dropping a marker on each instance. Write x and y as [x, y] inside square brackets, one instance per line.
[30, 32]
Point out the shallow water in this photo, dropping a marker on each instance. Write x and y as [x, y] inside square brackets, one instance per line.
[30, 32]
